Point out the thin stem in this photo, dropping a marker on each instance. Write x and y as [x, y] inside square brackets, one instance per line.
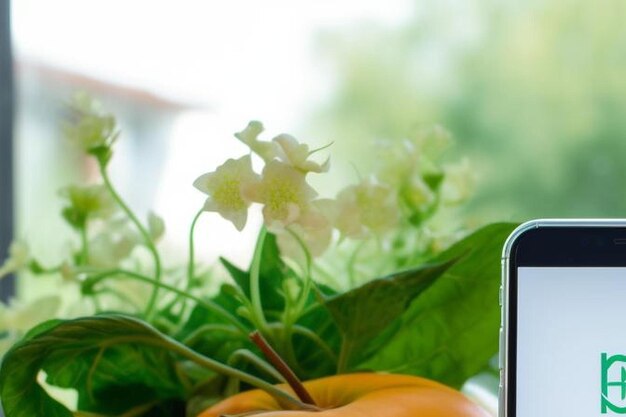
[308, 277]
[247, 311]
[209, 305]
[220, 368]
[191, 265]
[321, 148]
[149, 312]
[214, 327]
[297, 329]
[119, 294]
[280, 365]
[259, 363]
[172, 345]
[255, 272]
[192, 253]
[305, 250]
[84, 245]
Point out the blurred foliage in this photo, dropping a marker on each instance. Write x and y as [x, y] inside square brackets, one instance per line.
[533, 91]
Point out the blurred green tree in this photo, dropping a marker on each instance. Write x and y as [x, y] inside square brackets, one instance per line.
[534, 92]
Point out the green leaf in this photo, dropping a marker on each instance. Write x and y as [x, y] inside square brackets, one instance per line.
[272, 274]
[114, 362]
[241, 277]
[363, 313]
[450, 331]
[315, 362]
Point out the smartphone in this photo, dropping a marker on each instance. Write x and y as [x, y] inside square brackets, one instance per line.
[563, 328]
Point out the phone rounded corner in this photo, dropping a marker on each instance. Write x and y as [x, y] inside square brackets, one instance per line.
[515, 236]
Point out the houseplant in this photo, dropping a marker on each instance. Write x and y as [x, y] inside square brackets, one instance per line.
[309, 306]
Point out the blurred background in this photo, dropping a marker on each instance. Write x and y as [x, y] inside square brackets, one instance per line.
[533, 91]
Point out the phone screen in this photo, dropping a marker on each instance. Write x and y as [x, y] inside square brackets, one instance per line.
[571, 341]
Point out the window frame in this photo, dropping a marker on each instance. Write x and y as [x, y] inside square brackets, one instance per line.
[7, 102]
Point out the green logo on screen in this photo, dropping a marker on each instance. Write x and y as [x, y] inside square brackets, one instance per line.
[613, 374]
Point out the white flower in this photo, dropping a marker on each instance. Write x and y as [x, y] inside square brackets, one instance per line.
[225, 188]
[90, 128]
[366, 207]
[92, 201]
[396, 161]
[19, 257]
[113, 244]
[20, 317]
[17, 318]
[249, 136]
[156, 226]
[296, 154]
[433, 141]
[417, 193]
[314, 229]
[284, 193]
[459, 183]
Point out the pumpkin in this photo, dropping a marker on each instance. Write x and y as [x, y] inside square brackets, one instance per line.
[363, 394]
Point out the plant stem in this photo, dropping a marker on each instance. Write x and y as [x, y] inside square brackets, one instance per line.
[192, 252]
[84, 245]
[305, 250]
[149, 312]
[255, 291]
[209, 305]
[120, 295]
[308, 279]
[247, 355]
[280, 365]
[191, 265]
[226, 370]
[213, 327]
[301, 330]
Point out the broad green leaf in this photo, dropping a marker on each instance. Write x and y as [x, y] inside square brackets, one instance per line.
[21, 394]
[450, 331]
[364, 312]
[116, 363]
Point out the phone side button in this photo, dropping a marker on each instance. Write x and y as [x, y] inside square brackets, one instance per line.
[501, 350]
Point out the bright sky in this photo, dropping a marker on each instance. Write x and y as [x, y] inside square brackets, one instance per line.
[228, 54]
[239, 59]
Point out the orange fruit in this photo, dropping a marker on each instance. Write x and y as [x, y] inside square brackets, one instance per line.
[358, 395]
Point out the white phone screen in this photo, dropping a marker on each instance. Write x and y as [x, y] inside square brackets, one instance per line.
[571, 342]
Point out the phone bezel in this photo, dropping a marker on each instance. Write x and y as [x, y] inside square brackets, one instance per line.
[549, 243]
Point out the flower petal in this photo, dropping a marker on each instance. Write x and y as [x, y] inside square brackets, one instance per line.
[296, 154]
[249, 136]
[226, 188]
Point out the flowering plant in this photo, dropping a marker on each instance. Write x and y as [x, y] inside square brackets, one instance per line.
[312, 303]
